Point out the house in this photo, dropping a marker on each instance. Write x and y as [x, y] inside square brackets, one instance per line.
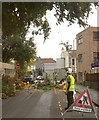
[65, 56]
[72, 60]
[60, 63]
[45, 65]
[87, 52]
[69, 59]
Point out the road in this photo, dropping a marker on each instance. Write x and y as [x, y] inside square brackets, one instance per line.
[39, 104]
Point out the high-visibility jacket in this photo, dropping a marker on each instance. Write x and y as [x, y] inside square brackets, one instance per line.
[71, 79]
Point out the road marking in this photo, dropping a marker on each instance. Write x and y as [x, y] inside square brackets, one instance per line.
[59, 102]
[59, 105]
[60, 109]
[62, 113]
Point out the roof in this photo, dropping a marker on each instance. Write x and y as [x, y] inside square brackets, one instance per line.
[97, 28]
[48, 60]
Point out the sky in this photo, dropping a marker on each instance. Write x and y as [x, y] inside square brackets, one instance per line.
[51, 48]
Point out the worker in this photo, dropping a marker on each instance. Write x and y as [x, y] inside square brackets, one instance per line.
[70, 88]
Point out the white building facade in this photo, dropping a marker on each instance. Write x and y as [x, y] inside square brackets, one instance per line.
[60, 63]
[65, 56]
[69, 59]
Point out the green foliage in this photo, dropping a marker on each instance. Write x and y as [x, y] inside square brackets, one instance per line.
[7, 86]
[18, 16]
[58, 86]
[46, 87]
[19, 85]
[18, 49]
[29, 72]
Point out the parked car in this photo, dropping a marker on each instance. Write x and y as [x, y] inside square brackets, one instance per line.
[28, 78]
[40, 77]
[39, 80]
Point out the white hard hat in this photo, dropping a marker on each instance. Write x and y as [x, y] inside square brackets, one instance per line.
[69, 70]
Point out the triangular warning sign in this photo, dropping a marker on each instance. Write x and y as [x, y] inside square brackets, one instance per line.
[83, 103]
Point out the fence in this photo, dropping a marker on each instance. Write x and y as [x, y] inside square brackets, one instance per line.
[92, 80]
[92, 77]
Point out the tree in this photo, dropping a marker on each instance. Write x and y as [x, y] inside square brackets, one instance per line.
[18, 49]
[18, 16]
[66, 45]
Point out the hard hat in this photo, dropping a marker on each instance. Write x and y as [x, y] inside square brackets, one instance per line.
[69, 70]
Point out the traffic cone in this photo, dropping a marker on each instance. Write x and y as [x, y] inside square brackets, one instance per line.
[62, 85]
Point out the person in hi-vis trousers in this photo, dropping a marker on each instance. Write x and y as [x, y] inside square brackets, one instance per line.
[70, 88]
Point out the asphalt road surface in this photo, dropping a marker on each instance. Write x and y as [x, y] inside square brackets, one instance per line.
[39, 104]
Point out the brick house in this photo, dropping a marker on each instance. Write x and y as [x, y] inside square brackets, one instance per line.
[87, 51]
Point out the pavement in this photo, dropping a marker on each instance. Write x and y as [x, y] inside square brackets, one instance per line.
[93, 93]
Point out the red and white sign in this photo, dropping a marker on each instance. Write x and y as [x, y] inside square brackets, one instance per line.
[84, 100]
[17, 66]
[83, 103]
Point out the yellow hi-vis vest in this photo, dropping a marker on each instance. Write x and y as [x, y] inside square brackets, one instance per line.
[72, 82]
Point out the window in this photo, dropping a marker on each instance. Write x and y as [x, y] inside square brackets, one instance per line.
[96, 57]
[73, 61]
[80, 39]
[96, 35]
[80, 58]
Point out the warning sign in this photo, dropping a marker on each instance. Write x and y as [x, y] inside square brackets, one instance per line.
[17, 66]
[82, 109]
[84, 100]
[83, 103]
